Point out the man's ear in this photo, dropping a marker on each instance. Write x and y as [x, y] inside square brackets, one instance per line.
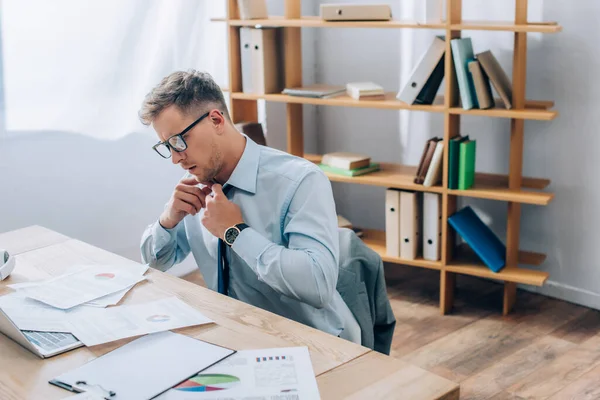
[218, 119]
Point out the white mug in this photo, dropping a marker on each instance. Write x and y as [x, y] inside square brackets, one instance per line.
[7, 264]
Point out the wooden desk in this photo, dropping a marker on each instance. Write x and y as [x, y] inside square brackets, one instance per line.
[343, 369]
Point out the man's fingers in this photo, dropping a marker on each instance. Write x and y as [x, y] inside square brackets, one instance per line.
[193, 190]
[206, 190]
[217, 190]
[189, 181]
[187, 208]
[190, 199]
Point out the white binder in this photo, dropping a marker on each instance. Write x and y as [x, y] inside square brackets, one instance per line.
[434, 172]
[246, 40]
[422, 71]
[432, 226]
[261, 59]
[392, 222]
[143, 368]
[409, 225]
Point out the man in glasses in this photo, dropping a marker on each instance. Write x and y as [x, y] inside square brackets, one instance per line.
[260, 223]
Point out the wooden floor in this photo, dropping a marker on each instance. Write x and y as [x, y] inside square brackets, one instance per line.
[545, 349]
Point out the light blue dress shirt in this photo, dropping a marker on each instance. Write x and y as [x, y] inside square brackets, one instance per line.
[286, 262]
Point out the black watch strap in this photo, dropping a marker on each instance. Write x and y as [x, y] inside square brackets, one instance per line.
[242, 226]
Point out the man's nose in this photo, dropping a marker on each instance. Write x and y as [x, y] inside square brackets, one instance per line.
[176, 157]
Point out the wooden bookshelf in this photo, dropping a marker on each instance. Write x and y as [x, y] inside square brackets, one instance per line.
[512, 188]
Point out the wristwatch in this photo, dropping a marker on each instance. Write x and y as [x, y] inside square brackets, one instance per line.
[233, 232]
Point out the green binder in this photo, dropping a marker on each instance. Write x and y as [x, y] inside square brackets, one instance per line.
[466, 167]
[350, 172]
[454, 154]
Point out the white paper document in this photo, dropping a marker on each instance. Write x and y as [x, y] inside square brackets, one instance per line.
[97, 326]
[31, 315]
[90, 283]
[269, 374]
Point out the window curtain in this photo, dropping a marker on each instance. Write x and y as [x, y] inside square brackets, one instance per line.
[84, 66]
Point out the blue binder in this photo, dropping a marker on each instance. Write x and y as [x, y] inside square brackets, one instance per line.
[479, 237]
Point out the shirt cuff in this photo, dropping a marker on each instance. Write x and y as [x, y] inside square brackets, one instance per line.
[162, 236]
[250, 245]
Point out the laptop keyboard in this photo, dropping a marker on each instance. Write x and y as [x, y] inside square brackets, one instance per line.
[50, 340]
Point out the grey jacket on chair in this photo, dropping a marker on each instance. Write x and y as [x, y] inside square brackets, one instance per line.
[361, 283]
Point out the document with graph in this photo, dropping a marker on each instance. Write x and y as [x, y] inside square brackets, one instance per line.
[90, 283]
[266, 374]
[95, 326]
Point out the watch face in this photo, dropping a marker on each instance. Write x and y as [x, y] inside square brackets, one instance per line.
[231, 234]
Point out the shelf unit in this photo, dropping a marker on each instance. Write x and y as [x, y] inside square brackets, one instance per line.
[514, 189]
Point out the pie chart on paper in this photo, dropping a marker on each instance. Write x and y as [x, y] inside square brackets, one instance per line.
[105, 276]
[208, 383]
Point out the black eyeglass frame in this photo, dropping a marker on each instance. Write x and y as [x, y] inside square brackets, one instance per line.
[186, 130]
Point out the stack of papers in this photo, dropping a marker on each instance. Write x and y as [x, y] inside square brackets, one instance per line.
[75, 303]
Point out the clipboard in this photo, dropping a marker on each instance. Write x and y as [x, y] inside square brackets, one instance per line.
[143, 368]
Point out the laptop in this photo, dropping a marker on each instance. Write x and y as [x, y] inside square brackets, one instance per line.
[43, 344]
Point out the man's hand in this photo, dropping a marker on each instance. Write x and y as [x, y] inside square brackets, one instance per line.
[220, 213]
[186, 199]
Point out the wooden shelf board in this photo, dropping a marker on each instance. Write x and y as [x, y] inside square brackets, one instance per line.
[508, 273]
[499, 180]
[464, 252]
[376, 240]
[493, 192]
[531, 113]
[317, 22]
[536, 112]
[390, 102]
[390, 175]
[509, 26]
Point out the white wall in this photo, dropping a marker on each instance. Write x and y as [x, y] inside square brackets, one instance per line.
[104, 192]
[561, 67]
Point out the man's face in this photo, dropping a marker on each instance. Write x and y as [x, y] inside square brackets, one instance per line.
[202, 158]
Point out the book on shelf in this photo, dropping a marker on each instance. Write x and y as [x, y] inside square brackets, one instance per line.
[345, 160]
[433, 176]
[425, 161]
[483, 90]
[480, 238]
[462, 53]
[365, 91]
[350, 172]
[453, 160]
[466, 164]
[475, 75]
[497, 76]
[317, 90]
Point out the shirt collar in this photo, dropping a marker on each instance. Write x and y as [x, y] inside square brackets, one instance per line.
[246, 171]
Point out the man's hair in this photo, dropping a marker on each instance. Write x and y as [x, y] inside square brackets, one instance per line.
[193, 92]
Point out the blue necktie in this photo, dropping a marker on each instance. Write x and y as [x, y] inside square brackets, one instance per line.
[222, 263]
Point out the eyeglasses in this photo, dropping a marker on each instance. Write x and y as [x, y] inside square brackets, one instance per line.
[176, 142]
